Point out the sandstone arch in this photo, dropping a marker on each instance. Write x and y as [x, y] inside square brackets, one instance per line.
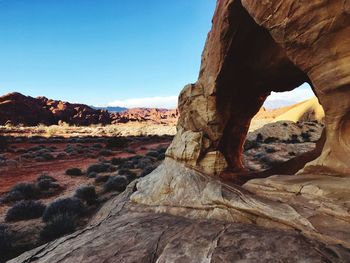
[242, 62]
[273, 46]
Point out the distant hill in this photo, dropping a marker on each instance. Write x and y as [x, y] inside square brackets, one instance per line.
[308, 110]
[111, 109]
[16, 108]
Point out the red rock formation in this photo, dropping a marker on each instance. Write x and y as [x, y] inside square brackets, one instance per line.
[158, 116]
[16, 108]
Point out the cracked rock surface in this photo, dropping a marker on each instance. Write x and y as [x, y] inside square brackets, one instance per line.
[125, 232]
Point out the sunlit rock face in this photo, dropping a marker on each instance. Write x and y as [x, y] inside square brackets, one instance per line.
[254, 48]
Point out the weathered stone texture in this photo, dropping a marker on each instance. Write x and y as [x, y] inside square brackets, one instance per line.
[125, 232]
[242, 64]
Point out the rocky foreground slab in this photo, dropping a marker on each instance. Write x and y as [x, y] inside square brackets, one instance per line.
[127, 232]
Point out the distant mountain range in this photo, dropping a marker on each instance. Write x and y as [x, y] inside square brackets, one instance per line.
[16, 108]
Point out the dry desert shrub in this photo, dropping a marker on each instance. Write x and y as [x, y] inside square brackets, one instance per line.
[25, 210]
[58, 226]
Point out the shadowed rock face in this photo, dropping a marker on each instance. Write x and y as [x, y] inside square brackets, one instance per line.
[16, 108]
[274, 46]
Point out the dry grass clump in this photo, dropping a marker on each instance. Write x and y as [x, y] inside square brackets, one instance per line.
[112, 130]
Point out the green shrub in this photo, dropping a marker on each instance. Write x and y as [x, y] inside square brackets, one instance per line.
[12, 196]
[98, 168]
[91, 175]
[126, 172]
[127, 165]
[144, 162]
[61, 155]
[152, 154]
[45, 184]
[130, 175]
[106, 152]
[130, 150]
[25, 210]
[161, 156]
[116, 183]
[101, 178]
[162, 150]
[87, 194]
[117, 161]
[36, 148]
[259, 137]
[5, 242]
[74, 172]
[97, 146]
[47, 156]
[117, 142]
[27, 190]
[46, 177]
[270, 140]
[250, 145]
[58, 226]
[70, 205]
[4, 144]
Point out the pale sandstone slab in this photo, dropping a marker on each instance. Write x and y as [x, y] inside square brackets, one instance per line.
[316, 205]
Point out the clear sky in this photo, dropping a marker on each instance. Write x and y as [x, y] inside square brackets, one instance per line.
[100, 51]
[103, 52]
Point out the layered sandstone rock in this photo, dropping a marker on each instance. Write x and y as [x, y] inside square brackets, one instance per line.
[275, 47]
[242, 64]
[315, 37]
[236, 77]
[316, 205]
[125, 232]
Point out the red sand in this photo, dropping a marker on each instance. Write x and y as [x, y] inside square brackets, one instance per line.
[29, 171]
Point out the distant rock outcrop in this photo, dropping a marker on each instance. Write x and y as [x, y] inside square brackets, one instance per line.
[16, 108]
[159, 116]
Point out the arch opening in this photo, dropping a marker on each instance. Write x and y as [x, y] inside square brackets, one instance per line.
[249, 73]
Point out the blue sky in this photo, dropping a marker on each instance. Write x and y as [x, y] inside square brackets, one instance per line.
[102, 52]
[99, 51]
